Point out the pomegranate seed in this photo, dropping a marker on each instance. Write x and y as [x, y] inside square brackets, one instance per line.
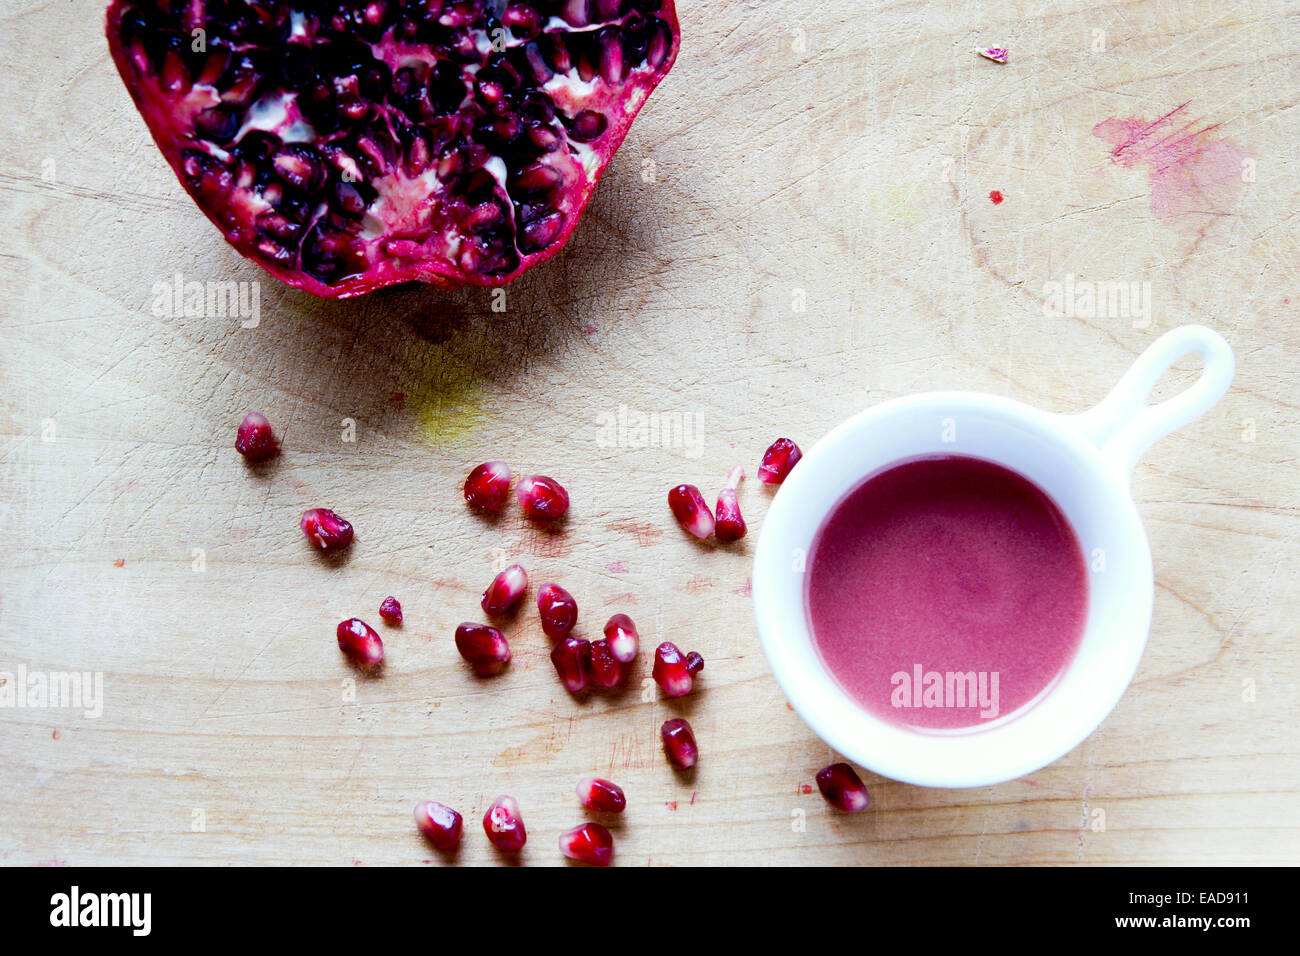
[572, 660]
[504, 826]
[358, 640]
[679, 743]
[391, 610]
[485, 648]
[542, 498]
[843, 788]
[441, 824]
[730, 525]
[603, 796]
[588, 843]
[623, 640]
[558, 609]
[606, 671]
[694, 662]
[326, 530]
[671, 671]
[505, 590]
[778, 461]
[488, 486]
[691, 510]
[254, 439]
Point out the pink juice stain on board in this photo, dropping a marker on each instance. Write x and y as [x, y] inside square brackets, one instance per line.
[1192, 171]
[945, 592]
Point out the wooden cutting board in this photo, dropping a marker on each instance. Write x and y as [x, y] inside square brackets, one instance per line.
[799, 225]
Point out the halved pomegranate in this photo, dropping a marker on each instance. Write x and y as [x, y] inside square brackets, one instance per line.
[346, 145]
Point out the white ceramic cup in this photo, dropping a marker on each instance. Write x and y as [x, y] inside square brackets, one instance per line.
[1083, 462]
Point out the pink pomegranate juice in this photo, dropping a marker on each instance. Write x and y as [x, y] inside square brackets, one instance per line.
[946, 592]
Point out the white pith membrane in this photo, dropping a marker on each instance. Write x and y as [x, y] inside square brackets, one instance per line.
[409, 214]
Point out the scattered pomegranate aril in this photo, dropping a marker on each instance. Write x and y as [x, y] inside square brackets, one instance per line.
[730, 526]
[778, 461]
[254, 439]
[484, 648]
[607, 672]
[326, 530]
[488, 486]
[843, 788]
[558, 609]
[602, 796]
[441, 824]
[691, 510]
[505, 591]
[358, 641]
[624, 642]
[542, 498]
[391, 610]
[588, 843]
[694, 662]
[355, 144]
[572, 660]
[671, 672]
[679, 743]
[504, 826]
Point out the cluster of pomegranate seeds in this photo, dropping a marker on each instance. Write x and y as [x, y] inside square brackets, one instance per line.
[691, 510]
[391, 610]
[622, 638]
[674, 671]
[588, 843]
[326, 530]
[558, 609]
[488, 486]
[580, 664]
[504, 826]
[572, 659]
[542, 498]
[602, 796]
[484, 648]
[679, 743]
[778, 461]
[441, 824]
[254, 439]
[730, 525]
[360, 643]
[843, 788]
[505, 591]
[352, 144]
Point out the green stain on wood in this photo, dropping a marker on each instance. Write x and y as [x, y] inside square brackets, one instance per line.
[446, 395]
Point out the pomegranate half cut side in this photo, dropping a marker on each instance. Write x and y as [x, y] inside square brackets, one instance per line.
[349, 145]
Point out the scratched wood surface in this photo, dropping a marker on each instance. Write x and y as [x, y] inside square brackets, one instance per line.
[798, 226]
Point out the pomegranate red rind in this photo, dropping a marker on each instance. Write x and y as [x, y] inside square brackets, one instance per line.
[354, 144]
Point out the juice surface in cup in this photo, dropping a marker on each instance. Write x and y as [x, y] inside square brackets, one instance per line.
[945, 592]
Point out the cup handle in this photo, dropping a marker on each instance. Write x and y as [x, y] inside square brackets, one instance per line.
[1123, 425]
